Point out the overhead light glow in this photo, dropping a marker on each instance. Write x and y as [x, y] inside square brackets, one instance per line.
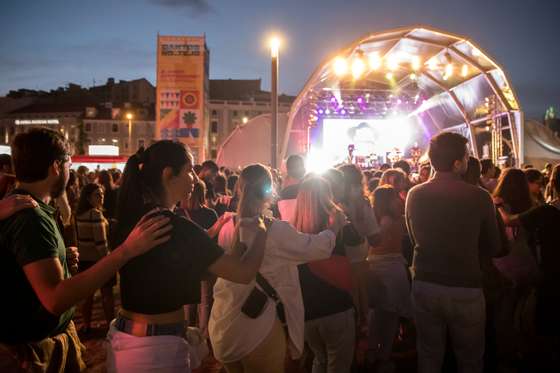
[374, 60]
[413, 77]
[432, 64]
[389, 76]
[415, 63]
[449, 70]
[358, 68]
[392, 63]
[340, 66]
[317, 161]
[464, 71]
[274, 46]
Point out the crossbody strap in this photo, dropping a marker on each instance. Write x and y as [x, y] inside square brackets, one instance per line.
[272, 294]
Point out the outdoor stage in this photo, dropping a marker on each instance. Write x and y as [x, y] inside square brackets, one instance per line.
[387, 93]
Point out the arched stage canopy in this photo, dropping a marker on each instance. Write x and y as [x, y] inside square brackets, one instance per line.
[432, 80]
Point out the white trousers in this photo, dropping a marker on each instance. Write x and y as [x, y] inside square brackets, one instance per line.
[162, 353]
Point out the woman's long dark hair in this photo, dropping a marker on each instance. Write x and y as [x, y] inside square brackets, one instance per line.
[513, 188]
[472, 176]
[383, 199]
[106, 179]
[83, 203]
[353, 178]
[141, 187]
[197, 198]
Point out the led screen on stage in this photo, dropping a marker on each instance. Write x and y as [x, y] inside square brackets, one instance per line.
[369, 137]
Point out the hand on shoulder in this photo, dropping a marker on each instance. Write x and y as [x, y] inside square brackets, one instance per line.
[14, 203]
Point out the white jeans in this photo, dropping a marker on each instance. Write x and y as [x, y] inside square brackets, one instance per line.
[162, 353]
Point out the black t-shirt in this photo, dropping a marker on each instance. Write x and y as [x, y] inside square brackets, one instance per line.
[544, 223]
[168, 277]
[321, 299]
[204, 216]
[27, 237]
[289, 192]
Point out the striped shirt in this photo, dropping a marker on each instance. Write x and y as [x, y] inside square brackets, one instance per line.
[92, 229]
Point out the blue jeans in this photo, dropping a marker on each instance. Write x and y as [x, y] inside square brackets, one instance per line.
[461, 311]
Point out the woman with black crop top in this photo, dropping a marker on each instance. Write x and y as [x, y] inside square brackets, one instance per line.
[148, 334]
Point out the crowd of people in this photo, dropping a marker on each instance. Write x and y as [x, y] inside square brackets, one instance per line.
[278, 272]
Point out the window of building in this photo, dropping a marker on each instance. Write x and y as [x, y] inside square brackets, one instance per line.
[214, 127]
[213, 153]
[115, 127]
[88, 127]
[140, 143]
[235, 113]
[214, 113]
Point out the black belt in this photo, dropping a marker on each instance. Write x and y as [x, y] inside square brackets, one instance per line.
[140, 329]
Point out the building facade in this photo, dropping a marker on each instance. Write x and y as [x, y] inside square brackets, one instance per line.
[235, 102]
[112, 126]
[231, 103]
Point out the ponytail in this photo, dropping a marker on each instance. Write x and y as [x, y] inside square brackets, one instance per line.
[142, 187]
[130, 203]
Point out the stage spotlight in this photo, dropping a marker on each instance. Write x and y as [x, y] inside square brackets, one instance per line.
[389, 76]
[317, 161]
[374, 60]
[340, 66]
[392, 63]
[415, 63]
[432, 64]
[358, 68]
[449, 70]
[413, 77]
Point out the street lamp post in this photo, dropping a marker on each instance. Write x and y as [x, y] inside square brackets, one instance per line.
[274, 46]
[129, 117]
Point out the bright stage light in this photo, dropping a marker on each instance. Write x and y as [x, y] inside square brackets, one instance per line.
[374, 60]
[432, 64]
[449, 70]
[413, 77]
[358, 68]
[389, 76]
[392, 63]
[465, 71]
[317, 161]
[340, 66]
[415, 63]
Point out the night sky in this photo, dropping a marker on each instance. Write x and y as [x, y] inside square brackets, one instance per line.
[46, 44]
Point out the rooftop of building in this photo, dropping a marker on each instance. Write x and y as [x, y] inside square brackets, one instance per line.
[242, 90]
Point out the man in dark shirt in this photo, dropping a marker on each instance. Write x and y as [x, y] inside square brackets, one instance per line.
[450, 222]
[35, 320]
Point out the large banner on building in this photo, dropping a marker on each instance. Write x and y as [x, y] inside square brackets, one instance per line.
[181, 82]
